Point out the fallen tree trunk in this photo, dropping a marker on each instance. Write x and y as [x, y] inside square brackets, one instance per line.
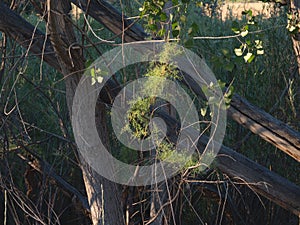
[112, 19]
[261, 123]
[253, 118]
[27, 36]
[265, 182]
[267, 127]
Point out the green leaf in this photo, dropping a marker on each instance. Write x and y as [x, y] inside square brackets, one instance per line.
[93, 80]
[95, 75]
[93, 72]
[98, 79]
[163, 17]
[258, 44]
[229, 92]
[161, 32]
[291, 28]
[203, 111]
[171, 16]
[260, 52]
[238, 52]
[152, 27]
[235, 30]
[199, 4]
[88, 63]
[175, 2]
[247, 12]
[249, 57]
[248, 42]
[244, 33]
[221, 84]
[175, 26]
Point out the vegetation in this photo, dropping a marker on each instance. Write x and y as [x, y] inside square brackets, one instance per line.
[38, 155]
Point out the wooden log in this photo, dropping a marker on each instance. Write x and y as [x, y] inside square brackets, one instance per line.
[266, 126]
[265, 182]
[111, 18]
[253, 118]
[259, 122]
[45, 169]
[27, 35]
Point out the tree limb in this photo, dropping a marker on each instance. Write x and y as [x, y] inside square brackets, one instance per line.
[267, 183]
[111, 18]
[253, 118]
[27, 35]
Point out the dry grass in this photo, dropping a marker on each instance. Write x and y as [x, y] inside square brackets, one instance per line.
[234, 10]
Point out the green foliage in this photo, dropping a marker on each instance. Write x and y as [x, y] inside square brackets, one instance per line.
[42, 123]
[229, 91]
[182, 27]
[138, 117]
[155, 15]
[139, 113]
[261, 82]
[249, 48]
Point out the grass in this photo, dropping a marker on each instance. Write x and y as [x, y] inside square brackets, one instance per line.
[263, 83]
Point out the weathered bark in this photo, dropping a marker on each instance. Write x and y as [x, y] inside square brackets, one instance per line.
[243, 112]
[266, 126]
[267, 183]
[230, 162]
[44, 168]
[27, 36]
[110, 17]
[103, 195]
[260, 122]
